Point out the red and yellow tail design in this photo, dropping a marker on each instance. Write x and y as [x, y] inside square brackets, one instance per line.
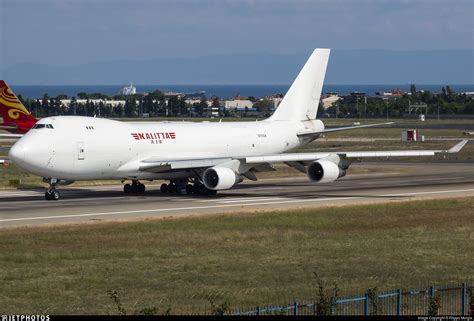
[11, 107]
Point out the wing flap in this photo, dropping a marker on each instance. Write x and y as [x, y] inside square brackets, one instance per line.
[282, 158]
[153, 165]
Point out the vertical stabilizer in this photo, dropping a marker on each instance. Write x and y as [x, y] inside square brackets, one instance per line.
[302, 99]
[11, 108]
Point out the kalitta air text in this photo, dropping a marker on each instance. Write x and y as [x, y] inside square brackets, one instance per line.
[154, 138]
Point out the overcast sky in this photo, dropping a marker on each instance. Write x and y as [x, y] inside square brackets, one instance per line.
[83, 31]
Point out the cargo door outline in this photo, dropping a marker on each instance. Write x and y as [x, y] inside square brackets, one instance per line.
[81, 153]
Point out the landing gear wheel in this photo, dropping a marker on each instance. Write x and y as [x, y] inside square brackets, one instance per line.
[55, 195]
[172, 188]
[164, 188]
[200, 189]
[52, 195]
[135, 188]
[189, 189]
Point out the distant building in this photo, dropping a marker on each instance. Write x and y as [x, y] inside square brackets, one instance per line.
[393, 94]
[129, 90]
[113, 103]
[276, 99]
[195, 98]
[358, 94]
[468, 94]
[238, 102]
[172, 94]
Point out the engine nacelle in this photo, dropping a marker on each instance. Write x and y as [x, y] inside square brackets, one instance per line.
[324, 171]
[217, 178]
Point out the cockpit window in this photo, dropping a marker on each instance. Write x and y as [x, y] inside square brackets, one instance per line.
[40, 126]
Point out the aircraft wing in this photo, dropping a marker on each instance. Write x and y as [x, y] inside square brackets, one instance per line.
[305, 157]
[157, 165]
[310, 133]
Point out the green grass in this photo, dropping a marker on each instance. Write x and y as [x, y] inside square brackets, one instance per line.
[245, 259]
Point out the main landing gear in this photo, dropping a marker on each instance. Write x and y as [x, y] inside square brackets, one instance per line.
[135, 188]
[52, 194]
[184, 187]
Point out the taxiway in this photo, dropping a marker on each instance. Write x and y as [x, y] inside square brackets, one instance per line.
[383, 182]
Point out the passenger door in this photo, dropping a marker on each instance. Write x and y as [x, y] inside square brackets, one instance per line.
[80, 151]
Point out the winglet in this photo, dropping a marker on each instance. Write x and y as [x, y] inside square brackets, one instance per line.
[456, 148]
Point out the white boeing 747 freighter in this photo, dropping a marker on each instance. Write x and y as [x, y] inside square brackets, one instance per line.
[199, 158]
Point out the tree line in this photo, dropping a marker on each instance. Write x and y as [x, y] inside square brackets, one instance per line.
[446, 102]
[155, 104]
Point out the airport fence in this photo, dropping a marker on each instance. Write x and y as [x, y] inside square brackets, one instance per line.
[448, 300]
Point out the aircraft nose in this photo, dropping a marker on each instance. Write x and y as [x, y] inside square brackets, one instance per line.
[17, 153]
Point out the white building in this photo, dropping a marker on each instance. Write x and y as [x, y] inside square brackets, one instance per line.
[129, 90]
[238, 103]
[113, 103]
[193, 101]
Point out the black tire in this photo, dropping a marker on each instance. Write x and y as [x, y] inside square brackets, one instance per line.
[164, 188]
[173, 189]
[127, 188]
[55, 195]
[141, 188]
[47, 196]
[189, 189]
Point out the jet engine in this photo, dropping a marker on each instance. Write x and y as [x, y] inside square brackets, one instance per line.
[324, 171]
[216, 178]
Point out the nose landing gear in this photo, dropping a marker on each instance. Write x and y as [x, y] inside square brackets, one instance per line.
[52, 194]
[135, 188]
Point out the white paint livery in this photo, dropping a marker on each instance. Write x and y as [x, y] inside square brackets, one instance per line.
[209, 156]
